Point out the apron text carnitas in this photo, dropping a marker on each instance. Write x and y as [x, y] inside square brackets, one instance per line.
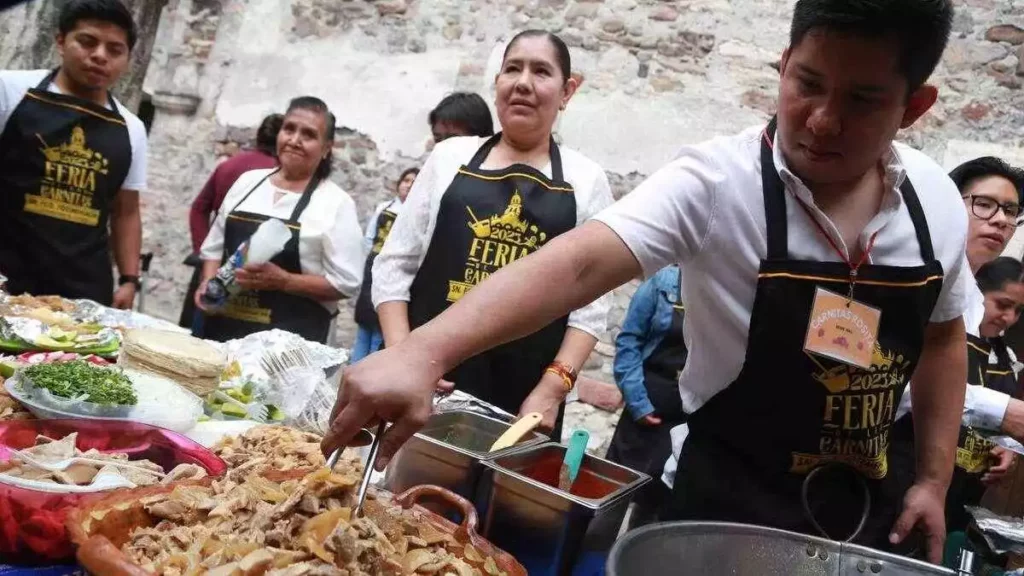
[488, 219]
[750, 447]
[62, 162]
[259, 310]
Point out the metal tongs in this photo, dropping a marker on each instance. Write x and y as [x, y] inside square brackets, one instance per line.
[359, 441]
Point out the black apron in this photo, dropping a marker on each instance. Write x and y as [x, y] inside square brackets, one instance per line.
[642, 447]
[252, 311]
[62, 162]
[1000, 376]
[751, 446]
[973, 452]
[366, 314]
[488, 219]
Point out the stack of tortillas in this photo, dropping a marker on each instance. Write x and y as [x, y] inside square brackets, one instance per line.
[195, 364]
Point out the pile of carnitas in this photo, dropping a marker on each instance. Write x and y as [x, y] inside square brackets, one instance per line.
[298, 527]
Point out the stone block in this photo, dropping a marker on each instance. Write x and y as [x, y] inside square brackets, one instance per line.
[1006, 33]
[975, 111]
[664, 13]
[613, 25]
[388, 7]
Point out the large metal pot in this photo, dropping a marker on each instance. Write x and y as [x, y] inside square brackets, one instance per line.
[722, 549]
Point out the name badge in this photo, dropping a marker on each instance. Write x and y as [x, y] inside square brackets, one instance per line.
[842, 329]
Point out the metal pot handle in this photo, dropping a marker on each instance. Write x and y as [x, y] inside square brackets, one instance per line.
[412, 496]
[807, 506]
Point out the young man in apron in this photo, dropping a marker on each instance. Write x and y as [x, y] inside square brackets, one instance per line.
[72, 162]
[822, 266]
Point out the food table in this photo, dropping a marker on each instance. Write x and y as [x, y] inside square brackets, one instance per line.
[259, 406]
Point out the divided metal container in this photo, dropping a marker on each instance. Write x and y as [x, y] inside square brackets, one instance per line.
[550, 531]
[448, 452]
[721, 549]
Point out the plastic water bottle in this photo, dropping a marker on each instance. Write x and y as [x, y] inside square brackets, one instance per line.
[223, 285]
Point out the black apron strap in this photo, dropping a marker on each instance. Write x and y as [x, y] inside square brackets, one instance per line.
[251, 190]
[924, 238]
[481, 155]
[484, 150]
[45, 83]
[44, 86]
[307, 195]
[774, 197]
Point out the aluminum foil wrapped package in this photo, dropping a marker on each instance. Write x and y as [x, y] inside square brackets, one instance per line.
[93, 312]
[36, 332]
[458, 400]
[1002, 533]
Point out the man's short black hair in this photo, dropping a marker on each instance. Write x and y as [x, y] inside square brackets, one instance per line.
[112, 11]
[921, 27]
[464, 109]
[967, 173]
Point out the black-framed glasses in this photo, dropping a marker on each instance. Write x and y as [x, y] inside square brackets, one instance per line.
[985, 208]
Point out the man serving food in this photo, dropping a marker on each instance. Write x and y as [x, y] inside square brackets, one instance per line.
[823, 265]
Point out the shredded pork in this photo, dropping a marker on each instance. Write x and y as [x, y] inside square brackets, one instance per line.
[276, 448]
[293, 528]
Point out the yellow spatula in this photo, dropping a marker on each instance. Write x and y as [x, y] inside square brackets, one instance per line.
[521, 428]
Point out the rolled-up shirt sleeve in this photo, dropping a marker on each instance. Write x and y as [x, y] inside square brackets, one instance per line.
[593, 318]
[396, 266]
[666, 220]
[985, 408]
[343, 254]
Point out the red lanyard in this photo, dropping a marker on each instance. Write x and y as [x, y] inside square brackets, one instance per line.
[853, 267]
[867, 249]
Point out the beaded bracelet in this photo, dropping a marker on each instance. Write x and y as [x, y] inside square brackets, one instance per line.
[564, 371]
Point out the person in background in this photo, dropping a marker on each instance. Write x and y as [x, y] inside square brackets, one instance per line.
[460, 114]
[457, 114]
[72, 163]
[992, 193]
[1002, 283]
[649, 357]
[369, 338]
[208, 202]
[480, 204]
[297, 291]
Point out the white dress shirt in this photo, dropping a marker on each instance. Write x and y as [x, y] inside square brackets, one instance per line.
[396, 266]
[705, 212]
[330, 240]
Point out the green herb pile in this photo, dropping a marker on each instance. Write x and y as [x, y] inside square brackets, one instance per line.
[78, 377]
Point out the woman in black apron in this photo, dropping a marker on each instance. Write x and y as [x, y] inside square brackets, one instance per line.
[281, 294]
[511, 195]
[652, 335]
[369, 338]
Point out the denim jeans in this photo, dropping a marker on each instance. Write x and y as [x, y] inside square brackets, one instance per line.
[368, 341]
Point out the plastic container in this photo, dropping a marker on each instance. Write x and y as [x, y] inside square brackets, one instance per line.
[161, 402]
[32, 522]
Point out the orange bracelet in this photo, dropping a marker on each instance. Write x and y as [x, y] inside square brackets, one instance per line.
[564, 371]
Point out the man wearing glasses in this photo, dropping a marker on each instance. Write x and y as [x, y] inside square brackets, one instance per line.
[992, 191]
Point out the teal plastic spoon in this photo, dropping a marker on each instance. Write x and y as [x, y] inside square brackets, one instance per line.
[573, 459]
